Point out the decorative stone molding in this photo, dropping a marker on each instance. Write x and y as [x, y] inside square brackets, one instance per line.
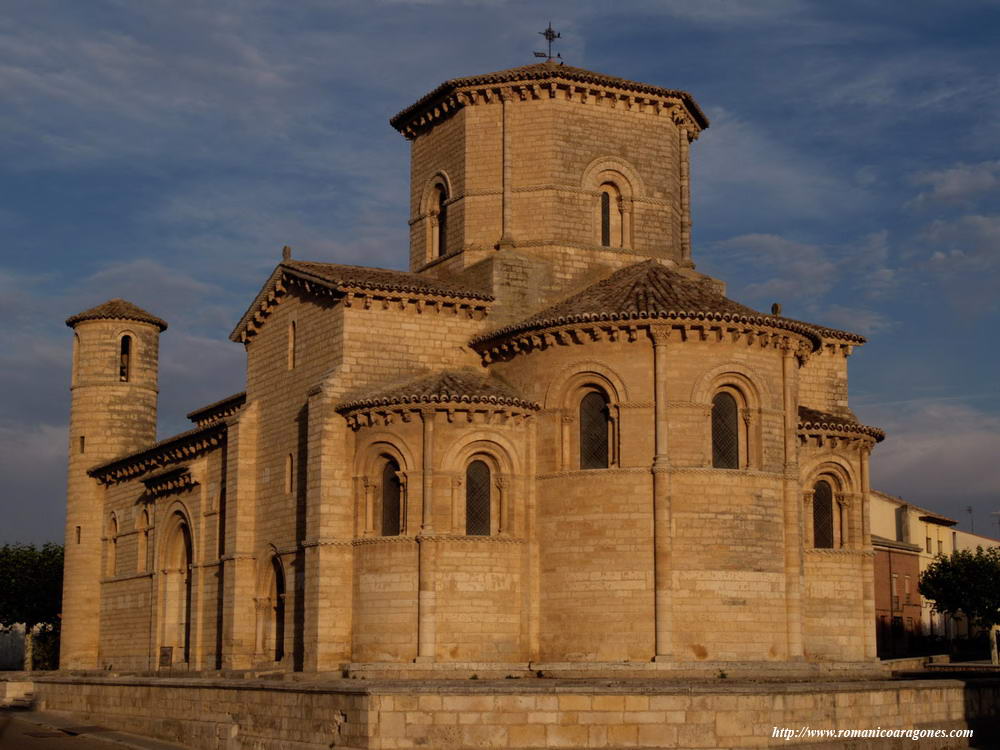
[546, 81]
[183, 447]
[504, 349]
[392, 290]
[169, 481]
[471, 539]
[594, 472]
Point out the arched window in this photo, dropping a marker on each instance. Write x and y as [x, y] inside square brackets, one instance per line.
[142, 547]
[823, 515]
[477, 499]
[391, 499]
[595, 429]
[725, 432]
[610, 215]
[125, 359]
[277, 609]
[112, 547]
[441, 233]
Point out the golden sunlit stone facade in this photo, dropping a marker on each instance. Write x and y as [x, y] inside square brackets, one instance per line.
[550, 445]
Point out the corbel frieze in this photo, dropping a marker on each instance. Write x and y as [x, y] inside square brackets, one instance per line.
[606, 328]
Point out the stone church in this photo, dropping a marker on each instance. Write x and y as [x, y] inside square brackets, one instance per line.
[550, 444]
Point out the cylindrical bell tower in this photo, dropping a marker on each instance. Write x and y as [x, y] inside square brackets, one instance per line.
[113, 412]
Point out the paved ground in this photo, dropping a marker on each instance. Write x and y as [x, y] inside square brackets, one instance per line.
[30, 730]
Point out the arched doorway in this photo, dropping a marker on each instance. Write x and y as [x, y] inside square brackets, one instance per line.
[271, 614]
[177, 560]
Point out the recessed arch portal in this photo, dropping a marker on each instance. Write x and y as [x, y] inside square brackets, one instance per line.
[177, 560]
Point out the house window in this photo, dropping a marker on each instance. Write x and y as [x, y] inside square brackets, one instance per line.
[142, 548]
[610, 215]
[391, 499]
[940, 547]
[441, 233]
[895, 591]
[929, 547]
[477, 499]
[125, 359]
[823, 515]
[112, 547]
[595, 429]
[906, 589]
[725, 432]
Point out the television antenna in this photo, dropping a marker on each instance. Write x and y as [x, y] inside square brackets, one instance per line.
[550, 35]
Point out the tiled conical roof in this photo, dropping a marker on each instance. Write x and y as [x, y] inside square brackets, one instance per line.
[645, 291]
[821, 420]
[117, 309]
[455, 386]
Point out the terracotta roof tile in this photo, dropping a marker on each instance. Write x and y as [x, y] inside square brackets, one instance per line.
[643, 291]
[545, 71]
[816, 419]
[224, 407]
[383, 279]
[117, 309]
[450, 386]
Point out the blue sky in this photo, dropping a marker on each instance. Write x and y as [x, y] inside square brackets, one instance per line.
[165, 151]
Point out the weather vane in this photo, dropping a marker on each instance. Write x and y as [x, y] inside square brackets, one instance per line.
[550, 36]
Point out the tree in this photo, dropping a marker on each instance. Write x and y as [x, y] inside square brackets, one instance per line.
[31, 589]
[967, 583]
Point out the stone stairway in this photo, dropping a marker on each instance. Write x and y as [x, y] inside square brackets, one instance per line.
[16, 694]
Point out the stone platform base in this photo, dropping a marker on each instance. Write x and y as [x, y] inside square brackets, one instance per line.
[527, 713]
[782, 671]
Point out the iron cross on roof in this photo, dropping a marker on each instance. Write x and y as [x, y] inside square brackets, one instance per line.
[550, 35]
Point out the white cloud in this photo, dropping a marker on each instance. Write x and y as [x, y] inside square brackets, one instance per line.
[856, 319]
[33, 464]
[741, 167]
[936, 451]
[797, 271]
[957, 183]
[964, 258]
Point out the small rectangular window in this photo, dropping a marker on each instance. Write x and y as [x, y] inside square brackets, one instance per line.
[291, 345]
[77, 534]
[929, 548]
[83, 443]
[940, 547]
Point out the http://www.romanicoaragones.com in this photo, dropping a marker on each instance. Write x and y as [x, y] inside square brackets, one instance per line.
[791, 733]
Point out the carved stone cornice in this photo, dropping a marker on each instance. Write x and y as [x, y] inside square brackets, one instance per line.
[358, 287]
[549, 81]
[170, 481]
[718, 329]
[829, 429]
[182, 447]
